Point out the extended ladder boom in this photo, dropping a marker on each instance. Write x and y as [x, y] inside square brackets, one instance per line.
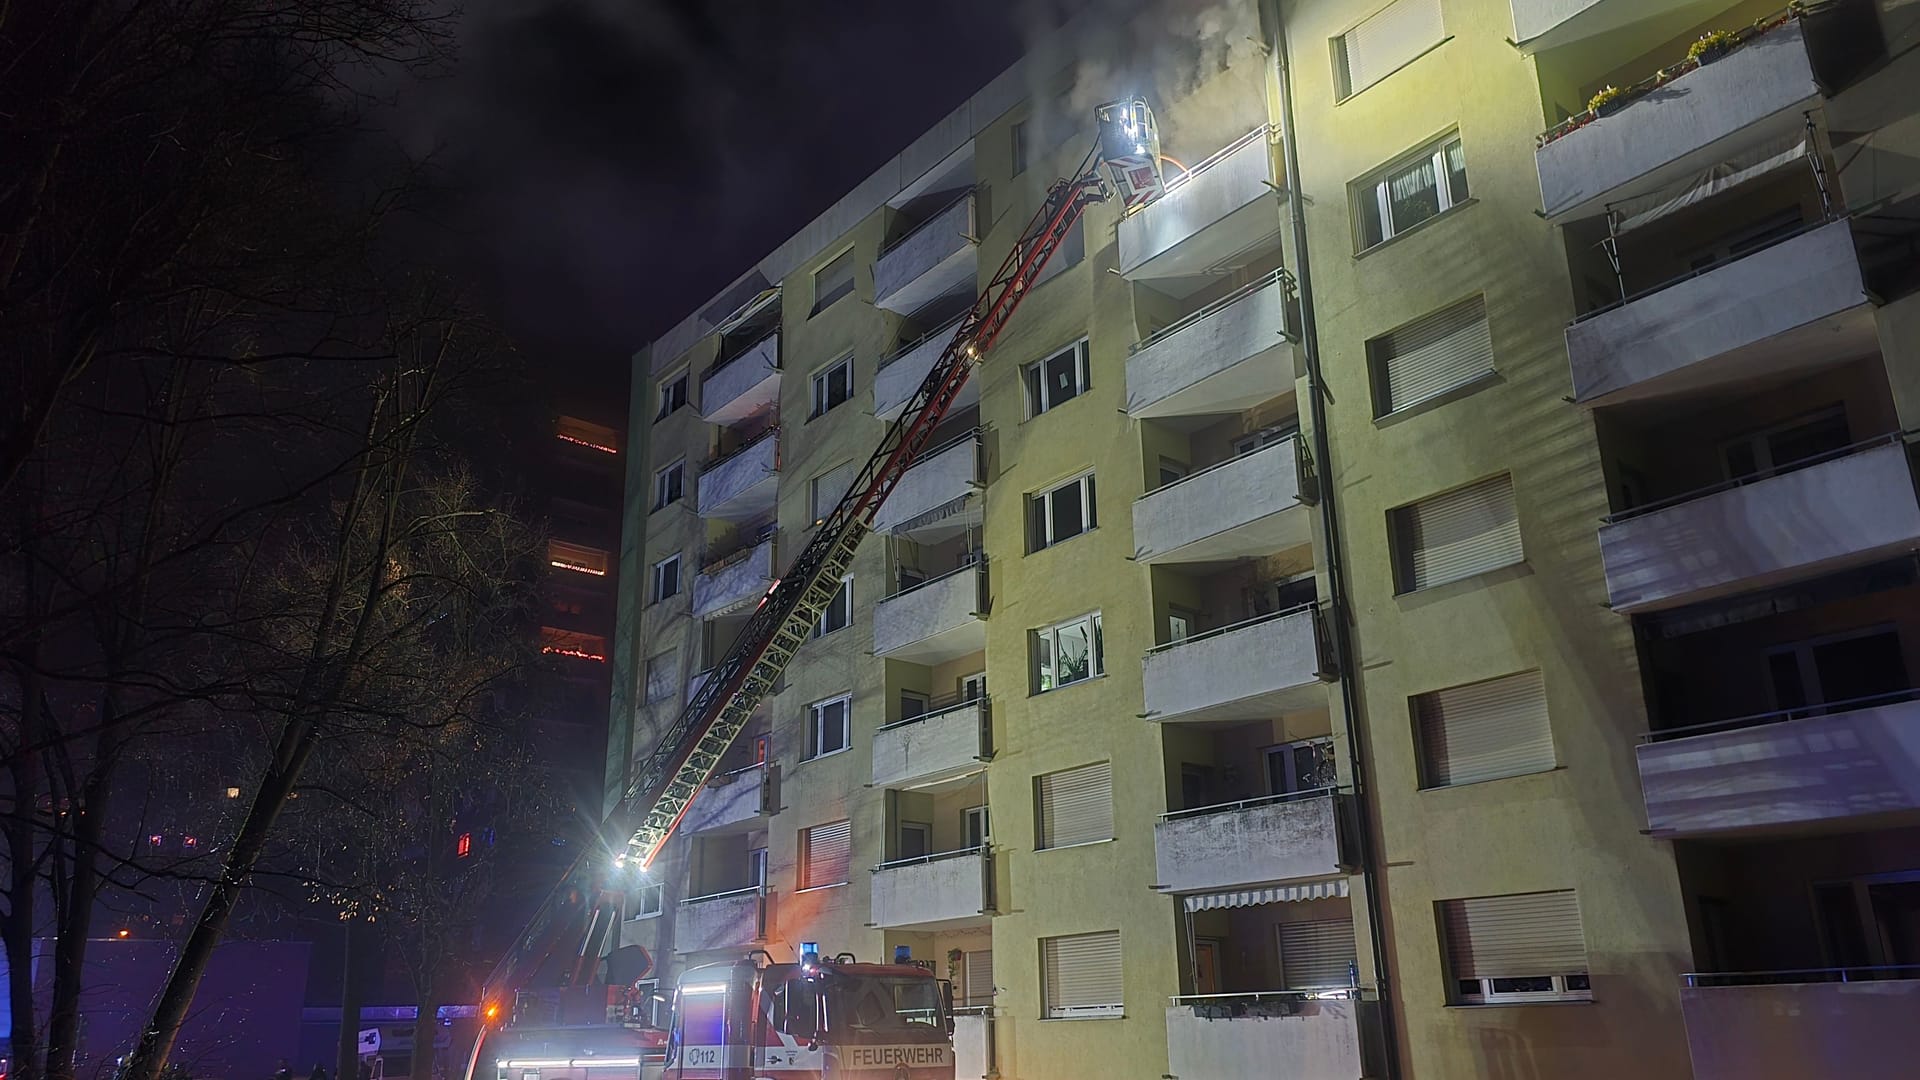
[689, 750]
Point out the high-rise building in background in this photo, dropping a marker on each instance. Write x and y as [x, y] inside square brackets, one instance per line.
[1473, 644]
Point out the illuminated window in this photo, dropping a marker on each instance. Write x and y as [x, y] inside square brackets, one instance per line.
[832, 281]
[576, 557]
[1423, 185]
[571, 643]
[588, 434]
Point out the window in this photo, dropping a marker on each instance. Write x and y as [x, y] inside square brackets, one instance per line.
[976, 972]
[673, 395]
[912, 703]
[663, 676]
[1428, 184]
[825, 491]
[1833, 670]
[832, 281]
[1061, 513]
[1301, 768]
[1075, 806]
[839, 610]
[1316, 955]
[1528, 947]
[1265, 437]
[1778, 448]
[1456, 534]
[973, 687]
[1068, 652]
[1080, 975]
[826, 852]
[827, 726]
[1180, 626]
[1430, 356]
[916, 839]
[831, 387]
[1483, 731]
[1021, 136]
[666, 578]
[669, 484]
[1386, 42]
[1058, 379]
[577, 557]
[975, 830]
[647, 901]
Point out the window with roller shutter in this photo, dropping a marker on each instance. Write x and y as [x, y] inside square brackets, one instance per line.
[1317, 954]
[1075, 806]
[826, 854]
[1483, 731]
[1385, 42]
[1430, 357]
[1080, 975]
[1456, 534]
[977, 970]
[1526, 947]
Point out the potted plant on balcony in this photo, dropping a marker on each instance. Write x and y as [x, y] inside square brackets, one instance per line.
[1610, 100]
[1712, 46]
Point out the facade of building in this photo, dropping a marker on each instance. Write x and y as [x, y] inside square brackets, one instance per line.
[1431, 596]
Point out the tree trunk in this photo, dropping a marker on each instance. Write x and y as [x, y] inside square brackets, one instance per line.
[21, 885]
[426, 1025]
[347, 1059]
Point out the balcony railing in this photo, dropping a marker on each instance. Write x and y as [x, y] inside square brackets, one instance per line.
[1200, 167]
[730, 555]
[1247, 804]
[1874, 973]
[1759, 475]
[926, 222]
[937, 856]
[718, 460]
[720, 364]
[943, 332]
[1780, 716]
[938, 707]
[1217, 631]
[1281, 276]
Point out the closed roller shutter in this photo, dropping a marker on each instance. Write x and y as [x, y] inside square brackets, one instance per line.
[1385, 42]
[1316, 954]
[1484, 730]
[825, 853]
[1533, 934]
[1076, 806]
[1429, 357]
[1082, 974]
[979, 978]
[1457, 534]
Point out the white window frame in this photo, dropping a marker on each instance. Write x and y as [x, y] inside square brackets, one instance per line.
[676, 386]
[650, 901]
[664, 479]
[842, 603]
[1343, 88]
[1096, 650]
[1109, 1011]
[815, 730]
[823, 302]
[1265, 437]
[1375, 189]
[1039, 391]
[1042, 506]
[970, 814]
[822, 384]
[670, 562]
[1562, 991]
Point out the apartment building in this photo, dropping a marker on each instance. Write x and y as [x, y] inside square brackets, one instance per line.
[1430, 596]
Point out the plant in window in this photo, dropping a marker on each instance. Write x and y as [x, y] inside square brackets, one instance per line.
[1711, 46]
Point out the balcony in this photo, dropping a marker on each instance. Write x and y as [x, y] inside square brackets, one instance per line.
[1842, 1022]
[934, 892]
[729, 920]
[973, 1045]
[1231, 355]
[1785, 771]
[1234, 1036]
[1241, 508]
[734, 580]
[936, 620]
[934, 746]
[1842, 509]
[1791, 306]
[743, 384]
[1254, 842]
[1211, 219]
[1678, 127]
[1547, 24]
[937, 257]
[741, 486]
[934, 488]
[732, 801]
[903, 370]
[1248, 671]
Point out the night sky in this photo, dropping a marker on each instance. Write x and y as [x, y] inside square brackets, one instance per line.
[619, 161]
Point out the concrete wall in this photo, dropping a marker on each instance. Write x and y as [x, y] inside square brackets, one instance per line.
[1236, 493]
[1321, 1042]
[973, 1047]
[1270, 657]
[1212, 348]
[1799, 1030]
[946, 742]
[926, 893]
[1281, 841]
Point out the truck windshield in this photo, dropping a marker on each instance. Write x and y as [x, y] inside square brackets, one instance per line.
[885, 1004]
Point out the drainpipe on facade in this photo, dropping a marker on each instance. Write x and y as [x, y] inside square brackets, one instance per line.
[1271, 13]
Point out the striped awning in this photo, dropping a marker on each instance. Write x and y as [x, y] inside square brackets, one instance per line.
[1272, 894]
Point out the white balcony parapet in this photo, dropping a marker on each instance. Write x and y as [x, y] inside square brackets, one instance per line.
[939, 745]
[940, 478]
[937, 257]
[1251, 842]
[1787, 769]
[1771, 310]
[742, 384]
[903, 370]
[742, 577]
[742, 485]
[1235, 1036]
[1242, 507]
[937, 620]
[1845, 508]
[732, 799]
[1230, 355]
[725, 920]
[1828, 1022]
[973, 1045]
[1212, 217]
[934, 891]
[1247, 671]
[1548, 24]
[1681, 126]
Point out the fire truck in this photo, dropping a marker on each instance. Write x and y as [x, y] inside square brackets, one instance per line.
[563, 1002]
